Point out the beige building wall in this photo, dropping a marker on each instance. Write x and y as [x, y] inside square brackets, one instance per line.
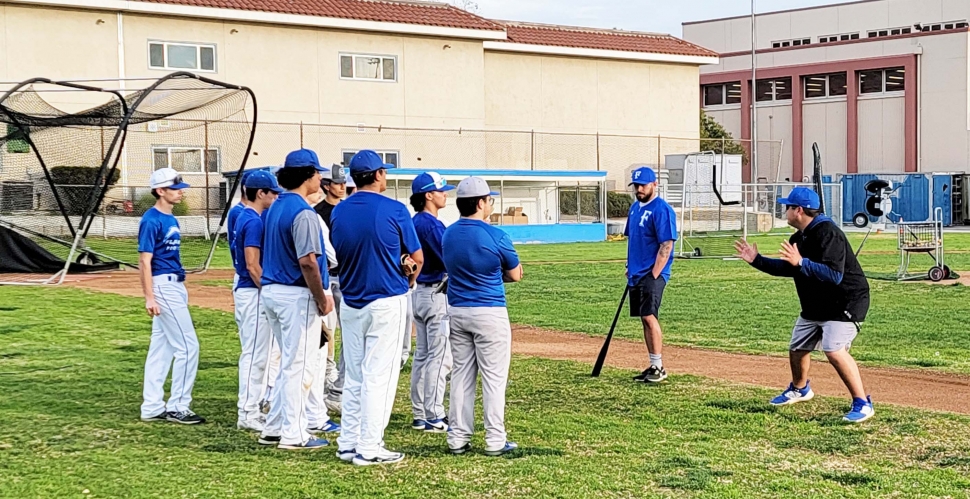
[824, 123]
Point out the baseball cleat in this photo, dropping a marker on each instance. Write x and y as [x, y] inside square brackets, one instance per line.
[312, 444]
[509, 447]
[328, 427]
[255, 425]
[793, 395]
[861, 410]
[654, 375]
[460, 450]
[419, 424]
[184, 417]
[347, 456]
[162, 416]
[268, 440]
[383, 456]
[436, 426]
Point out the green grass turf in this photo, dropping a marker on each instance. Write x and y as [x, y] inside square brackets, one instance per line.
[71, 364]
[727, 305]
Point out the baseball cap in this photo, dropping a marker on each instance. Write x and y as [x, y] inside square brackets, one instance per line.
[803, 197]
[368, 161]
[337, 174]
[350, 183]
[643, 175]
[430, 182]
[168, 178]
[303, 157]
[262, 179]
[473, 187]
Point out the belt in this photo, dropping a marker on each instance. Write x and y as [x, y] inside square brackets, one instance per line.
[429, 284]
[169, 277]
[334, 274]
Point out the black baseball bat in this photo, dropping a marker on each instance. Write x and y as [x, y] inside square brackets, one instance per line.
[601, 358]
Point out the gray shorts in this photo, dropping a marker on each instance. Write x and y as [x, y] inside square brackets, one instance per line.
[829, 336]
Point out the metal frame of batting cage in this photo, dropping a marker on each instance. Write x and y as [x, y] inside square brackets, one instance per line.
[97, 195]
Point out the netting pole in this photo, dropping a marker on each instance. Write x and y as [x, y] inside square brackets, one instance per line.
[205, 168]
[301, 134]
[597, 150]
[532, 154]
[104, 217]
[744, 213]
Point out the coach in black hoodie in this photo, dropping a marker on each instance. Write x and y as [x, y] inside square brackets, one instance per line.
[834, 296]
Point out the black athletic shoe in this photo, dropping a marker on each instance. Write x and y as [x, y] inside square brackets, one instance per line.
[655, 375]
[268, 440]
[185, 417]
[461, 450]
[162, 416]
[642, 376]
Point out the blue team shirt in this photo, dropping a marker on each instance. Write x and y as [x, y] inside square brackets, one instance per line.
[370, 232]
[159, 234]
[231, 218]
[430, 230]
[249, 234]
[647, 226]
[281, 263]
[475, 256]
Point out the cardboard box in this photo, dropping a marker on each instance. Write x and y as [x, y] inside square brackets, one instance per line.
[508, 219]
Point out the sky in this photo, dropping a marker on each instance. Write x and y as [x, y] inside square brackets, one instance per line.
[658, 16]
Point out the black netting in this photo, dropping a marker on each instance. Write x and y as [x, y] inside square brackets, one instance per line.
[75, 162]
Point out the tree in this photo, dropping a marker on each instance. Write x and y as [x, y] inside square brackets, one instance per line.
[720, 139]
[466, 5]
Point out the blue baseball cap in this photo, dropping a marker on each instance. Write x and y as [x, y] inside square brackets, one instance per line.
[643, 175]
[303, 157]
[262, 179]
[430, 182]
[367, 161]
[802, 197]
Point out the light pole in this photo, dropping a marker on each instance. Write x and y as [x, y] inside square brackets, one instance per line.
[754, 96]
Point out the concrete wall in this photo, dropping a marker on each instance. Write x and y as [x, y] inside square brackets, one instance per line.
[824, 123]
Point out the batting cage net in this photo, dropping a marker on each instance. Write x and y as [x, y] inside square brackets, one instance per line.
[75, 162]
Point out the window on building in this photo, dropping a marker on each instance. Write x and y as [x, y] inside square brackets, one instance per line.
[186, 159]
[368, 67]
[882, 80]
[191, 56]
[722, 93]
[773, 90]
[827, 85]
[389, 157]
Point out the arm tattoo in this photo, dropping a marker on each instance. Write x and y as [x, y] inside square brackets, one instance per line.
[664, 252]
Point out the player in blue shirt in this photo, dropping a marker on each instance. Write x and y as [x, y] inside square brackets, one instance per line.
[254, 333]
[371, 233]
[231, 223]
[651, 229]
[167, 302]
[294, 277]
[432, 353]
[478, 259]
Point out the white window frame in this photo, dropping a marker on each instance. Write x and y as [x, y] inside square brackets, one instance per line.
[724, 90]
[203, 170]
[828, 88]
[380, 152]
[198, 56]
[774, 92]
[883, 93]
[838, 37]
[353, 65]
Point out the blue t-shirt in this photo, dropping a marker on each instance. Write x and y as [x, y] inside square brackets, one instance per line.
[249, 234]
[430, 230]
[291, 230]
[159, 234]
[647, 226]
[475, 256]
[370, 232]
[231, 218]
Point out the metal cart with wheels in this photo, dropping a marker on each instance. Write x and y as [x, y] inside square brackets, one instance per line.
[922, 237]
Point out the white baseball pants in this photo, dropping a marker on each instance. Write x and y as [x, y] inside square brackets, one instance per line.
[173, 338]
[254, 339]
[481, 342]
[316, 400]
[432, 354]
[372, 359]
[295, 322]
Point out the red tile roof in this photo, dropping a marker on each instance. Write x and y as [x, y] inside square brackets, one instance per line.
[391, 11]
[626, 41]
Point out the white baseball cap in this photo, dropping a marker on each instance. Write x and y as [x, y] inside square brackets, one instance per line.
[167, 177]
[473, 187]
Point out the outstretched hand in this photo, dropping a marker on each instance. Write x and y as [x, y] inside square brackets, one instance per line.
[790, 254]
[746, 252]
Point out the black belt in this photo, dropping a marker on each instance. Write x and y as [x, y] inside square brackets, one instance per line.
[429, 284]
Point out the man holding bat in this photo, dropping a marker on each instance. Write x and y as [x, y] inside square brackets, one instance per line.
[834, 296]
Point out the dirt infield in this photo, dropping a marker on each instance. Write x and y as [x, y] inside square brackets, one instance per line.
[910, 387]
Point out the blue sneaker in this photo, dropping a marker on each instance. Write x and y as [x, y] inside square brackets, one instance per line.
[328, 427]
[861, 410]
[419, 424]
[793, 395]
[436, 426]
[347, 455]
[312, 444]
[509, 447]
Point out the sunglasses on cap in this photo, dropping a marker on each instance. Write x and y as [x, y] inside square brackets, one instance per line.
[175, 181]
[437, 185]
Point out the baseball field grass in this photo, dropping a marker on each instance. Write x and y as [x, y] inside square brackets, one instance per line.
[70, 377]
